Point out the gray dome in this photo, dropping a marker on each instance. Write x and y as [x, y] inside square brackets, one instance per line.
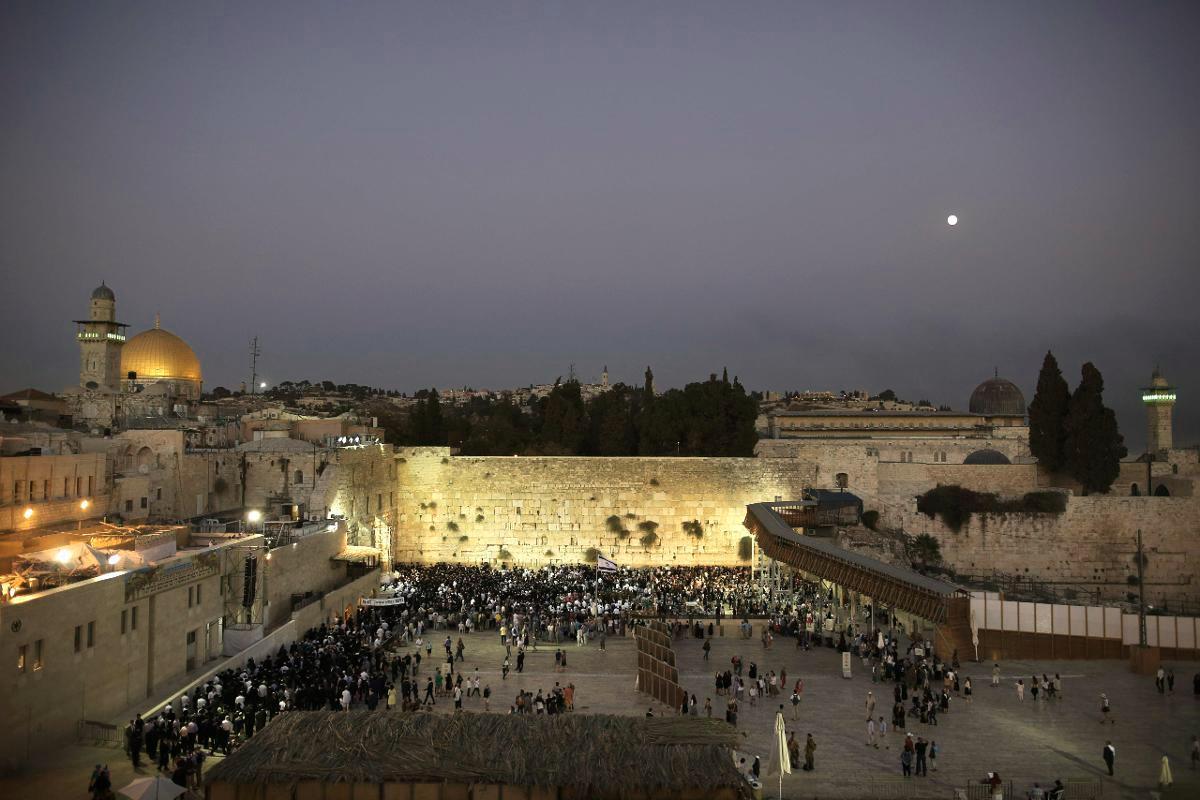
[102, 292]
[997, 397]
[986, 457]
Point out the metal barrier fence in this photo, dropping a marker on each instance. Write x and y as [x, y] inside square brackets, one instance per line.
[102, 734]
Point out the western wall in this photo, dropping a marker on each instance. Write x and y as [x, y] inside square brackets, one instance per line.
[553, 509]
[538, 510]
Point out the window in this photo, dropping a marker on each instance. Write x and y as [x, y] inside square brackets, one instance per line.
[143, 502]
[124, 619]
[298, 477]
[199, 588]
[133, 619]
[66, 487]
[37, 655]
[89, 485]
[46, 489]
[78, 486]
[158, 495]
[128, 506]
[379, 503]
[78, 637]
[16, 491]
[22, 653]
[91, 634]
[191, 596]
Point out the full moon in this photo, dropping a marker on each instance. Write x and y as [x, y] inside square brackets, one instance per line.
[952, 220]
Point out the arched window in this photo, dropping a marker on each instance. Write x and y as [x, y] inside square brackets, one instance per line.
[1162, 491]
[1134, 491]
[298, 477]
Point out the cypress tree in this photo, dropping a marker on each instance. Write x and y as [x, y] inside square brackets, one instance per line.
[1094, 446]
[1048, 415]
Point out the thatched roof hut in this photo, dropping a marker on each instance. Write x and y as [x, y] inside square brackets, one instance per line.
[386, 755]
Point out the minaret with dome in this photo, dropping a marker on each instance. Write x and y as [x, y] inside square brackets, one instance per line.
[100, 339]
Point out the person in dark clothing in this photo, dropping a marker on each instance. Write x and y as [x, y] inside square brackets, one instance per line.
[1110, 755]
[922, 765]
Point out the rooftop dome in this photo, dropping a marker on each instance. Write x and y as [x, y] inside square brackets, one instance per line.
[986, 457]
[158, 354]
[102, 292]
[997, 397]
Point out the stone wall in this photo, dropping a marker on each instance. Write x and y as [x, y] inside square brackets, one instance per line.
[553, 509]
[909, 480]
[1089, 548]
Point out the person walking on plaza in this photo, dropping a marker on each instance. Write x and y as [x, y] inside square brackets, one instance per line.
[1110, 755]
[871, 740]
[1106, 714]
[906, 757]
[795, 705]
[1020, 690]
[995, 675]
[706, 648]
[810, 748]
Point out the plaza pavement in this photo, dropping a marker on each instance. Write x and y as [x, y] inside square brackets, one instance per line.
[1025, 742]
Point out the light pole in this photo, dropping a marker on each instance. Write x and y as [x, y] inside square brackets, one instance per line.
[1141, 594]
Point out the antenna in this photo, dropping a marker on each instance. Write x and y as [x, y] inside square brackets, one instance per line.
[254, 354]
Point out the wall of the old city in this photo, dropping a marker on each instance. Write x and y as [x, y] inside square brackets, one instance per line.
[1089, 547]
[552, 509]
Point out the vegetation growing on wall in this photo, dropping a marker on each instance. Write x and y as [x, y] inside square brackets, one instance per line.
[452, 526]
[871, 519]
[648, 538]
[745, 548]
[504, 555]
[463, 538]
[955, 505]
[693, 527]
[924, 550]
[591, 556]
[615, 526]
[648, 526]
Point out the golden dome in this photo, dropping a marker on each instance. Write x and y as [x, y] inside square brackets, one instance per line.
[158, 354]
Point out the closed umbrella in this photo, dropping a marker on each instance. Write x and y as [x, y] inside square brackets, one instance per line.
[1164, 774]
[157, 788]
[781, 762]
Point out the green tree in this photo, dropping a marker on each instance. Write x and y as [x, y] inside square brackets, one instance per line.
[1048, 416]
[1094, 446]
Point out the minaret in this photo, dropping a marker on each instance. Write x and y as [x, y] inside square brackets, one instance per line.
[1159, 398]
[604, 377]
[100, 339]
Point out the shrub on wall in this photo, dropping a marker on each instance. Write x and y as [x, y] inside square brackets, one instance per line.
[591, 555]
[648, 526]
[615, 526]
[955, 505]
[463, 538]
[692, 527]
[479, 517]
[871, 519]
[648, 538]
[924, 550]
[654, 481]
[745, 548]
[452, 526]
[504, 555]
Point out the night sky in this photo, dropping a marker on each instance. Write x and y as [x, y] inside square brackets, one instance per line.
[451, 194]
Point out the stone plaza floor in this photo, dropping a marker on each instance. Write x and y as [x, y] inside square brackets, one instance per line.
[1024, 741]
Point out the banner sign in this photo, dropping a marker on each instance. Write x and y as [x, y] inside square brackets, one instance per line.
[381, 601]
[846, 665]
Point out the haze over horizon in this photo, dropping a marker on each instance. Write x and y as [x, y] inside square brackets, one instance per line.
[481, 194]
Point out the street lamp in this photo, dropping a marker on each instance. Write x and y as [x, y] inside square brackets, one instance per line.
[83, 505]
[253, 515]
[27, 513]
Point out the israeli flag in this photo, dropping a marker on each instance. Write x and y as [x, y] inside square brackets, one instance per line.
[605, 565]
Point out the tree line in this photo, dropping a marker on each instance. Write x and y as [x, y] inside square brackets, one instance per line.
[1074, 432]
[710, 418]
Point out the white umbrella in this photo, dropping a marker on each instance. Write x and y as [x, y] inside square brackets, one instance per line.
[781, 762]
[157, 788]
